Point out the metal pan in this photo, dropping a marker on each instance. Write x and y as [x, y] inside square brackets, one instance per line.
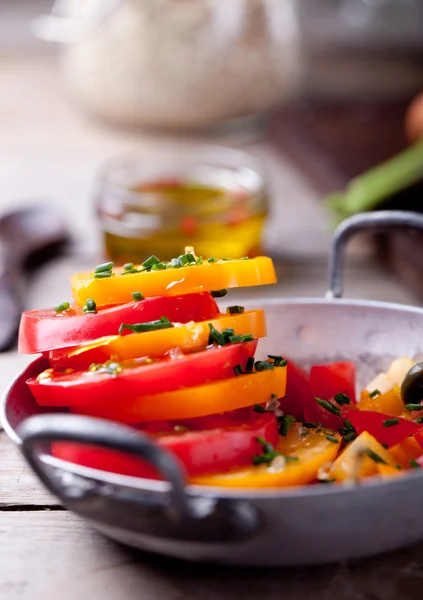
[304, 525]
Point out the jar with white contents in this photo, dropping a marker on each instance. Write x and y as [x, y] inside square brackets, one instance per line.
[177, 63]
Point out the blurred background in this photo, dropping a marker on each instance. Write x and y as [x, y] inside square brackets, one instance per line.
[238, 126]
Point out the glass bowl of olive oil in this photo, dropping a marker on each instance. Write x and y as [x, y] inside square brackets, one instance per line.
[211, 198]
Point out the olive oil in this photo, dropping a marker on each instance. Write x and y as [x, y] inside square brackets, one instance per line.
[168, 214]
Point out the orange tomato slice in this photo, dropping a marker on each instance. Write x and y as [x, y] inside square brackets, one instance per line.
[305, 454]
[188, 337]
[200, 401]
[356, 460]
[172, 282]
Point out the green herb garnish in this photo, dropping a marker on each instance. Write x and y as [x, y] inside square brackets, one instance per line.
[390, 422]
[212, 260]
[414, 464]
[309, 425]
[328, 406]
[375, 393]
[137, 296]
[278, 361]
[162, 323]
[285, 424]
[103, 275]
[414, 407]
[59, 308]
[375, 457]
[268, 455]
[90, 307]
[238, 370]
[342, 399]
[250, 364]
[333, 439]
[104, 268]
[218, 293]
[419, 420]
[263, 365]
[235, 310]
[236, 339]
[128, 266]
[152, 260]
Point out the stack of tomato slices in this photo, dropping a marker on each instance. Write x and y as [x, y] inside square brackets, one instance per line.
[147, 345]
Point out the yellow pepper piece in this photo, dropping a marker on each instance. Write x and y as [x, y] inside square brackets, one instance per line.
[220, 275]
[188, 337]
[389, 403]
[200, 401]
[312, 451]
[405, 452]
[355, 462]
[393, 376]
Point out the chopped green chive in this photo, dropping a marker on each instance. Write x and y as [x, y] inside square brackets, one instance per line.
[160, 266]
[342, 399]
[226, 259]
[390, 422]
[102, 275]
[419, 420]
[375, 393]
[152, 260]
[244, 258]
[128, 266]
[235, 310]
[333, 439]
[90, 307]
[329, 407]
[218, 293]
[349, 437]
[414, 407]
[286, 422]
[258, 408]
[291, 458]
[104, 267]
[278, 361]
[268, 453]
[137, 296]
[398, 467]
[274, 396]
[212, 260]
[238, 370]
[385, 446]
[263, 365]
[61, 307]
[375, 457]
[162, 323]
[326, 480]
[236, 339]
[414, 464]
[250, 364]
[309, 425]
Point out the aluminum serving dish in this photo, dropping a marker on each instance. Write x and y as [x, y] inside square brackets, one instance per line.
[297, 526]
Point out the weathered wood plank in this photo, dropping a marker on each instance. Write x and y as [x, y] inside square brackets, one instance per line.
[49, 555]
[17, 483]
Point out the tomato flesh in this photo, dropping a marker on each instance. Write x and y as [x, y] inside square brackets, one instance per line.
[83, 388]
[333, 378]
[44, 330]
[203, 449]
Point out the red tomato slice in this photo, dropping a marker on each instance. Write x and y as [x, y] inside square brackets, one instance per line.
[297, 395]
[204, 449]
[385, 428]
[333, 378]
[44, 330]
[149, 376]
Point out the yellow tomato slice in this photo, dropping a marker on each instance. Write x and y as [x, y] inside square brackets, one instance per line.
[220, 275]
[389, 403]
[307, 453]
[355, 462]
[405, 452]
[200, 401]
[188, 337]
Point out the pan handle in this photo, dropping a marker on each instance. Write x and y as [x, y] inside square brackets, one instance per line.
[372, 221]
[42, 429]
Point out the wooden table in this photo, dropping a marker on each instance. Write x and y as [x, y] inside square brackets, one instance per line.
[49, 150]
